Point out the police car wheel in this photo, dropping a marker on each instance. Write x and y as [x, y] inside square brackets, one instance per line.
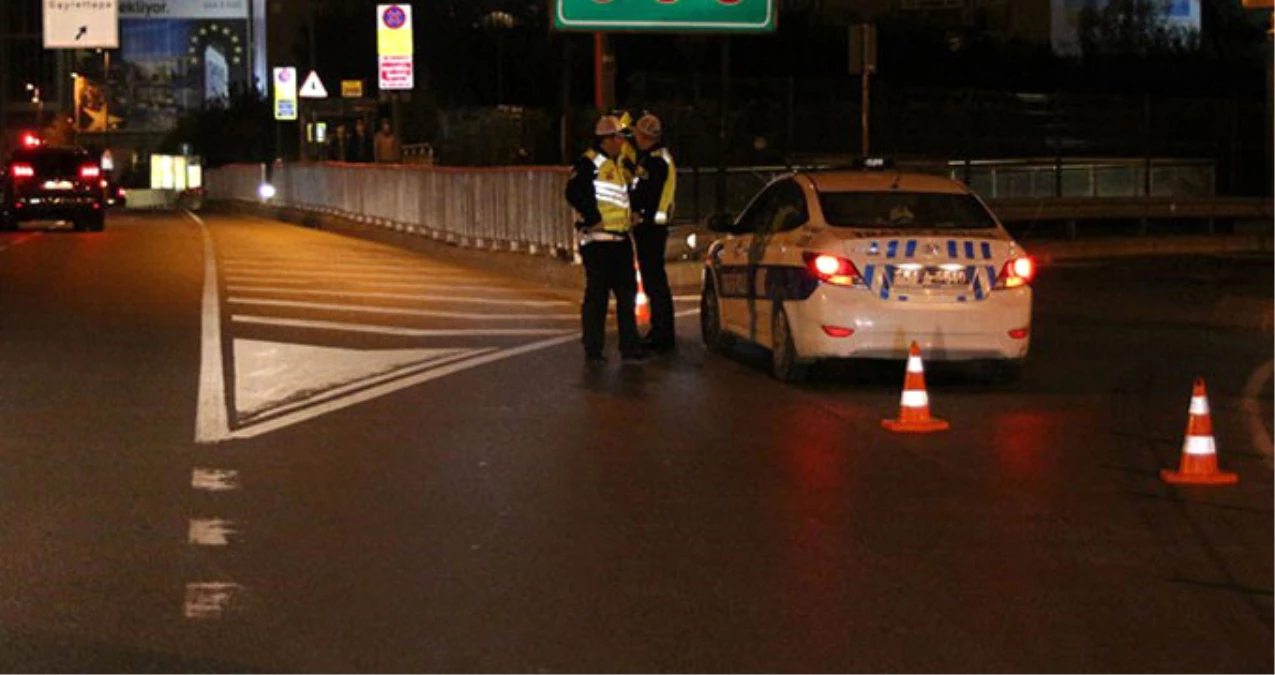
[784, 360]
[710, 319]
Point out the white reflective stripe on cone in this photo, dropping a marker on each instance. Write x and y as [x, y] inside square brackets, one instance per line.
[914, 366]
[1199, 445]
[915, 398]
[1199, 405]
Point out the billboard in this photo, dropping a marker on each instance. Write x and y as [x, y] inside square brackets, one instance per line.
[1065, 34]
[175, 56]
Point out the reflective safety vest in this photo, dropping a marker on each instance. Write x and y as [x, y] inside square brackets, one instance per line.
[664, 213]
[612, 192]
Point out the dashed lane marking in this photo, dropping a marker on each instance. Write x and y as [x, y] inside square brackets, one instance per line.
[209, 599]
[394, 311]
[214, 480]
[469, 300]
[392, 330]
[211, 532]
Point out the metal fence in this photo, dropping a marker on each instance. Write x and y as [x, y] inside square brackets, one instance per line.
[519, 209]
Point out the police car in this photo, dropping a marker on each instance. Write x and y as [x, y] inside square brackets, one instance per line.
[859, 264]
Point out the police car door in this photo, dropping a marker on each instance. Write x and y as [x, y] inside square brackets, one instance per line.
[740, 258]
[779, 267]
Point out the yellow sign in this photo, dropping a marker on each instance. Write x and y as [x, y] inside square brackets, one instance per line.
[394, 46]
[285, 93]
[351, 88]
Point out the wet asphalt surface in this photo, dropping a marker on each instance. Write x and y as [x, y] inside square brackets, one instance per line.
[524, 513]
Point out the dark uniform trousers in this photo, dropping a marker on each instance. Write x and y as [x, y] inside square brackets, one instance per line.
[608, 269]
[652, 240]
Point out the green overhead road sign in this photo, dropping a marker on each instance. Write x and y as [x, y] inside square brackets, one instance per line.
[668, 16]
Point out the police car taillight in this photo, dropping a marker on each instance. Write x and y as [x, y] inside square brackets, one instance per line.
[833, 269]
[1016, 272]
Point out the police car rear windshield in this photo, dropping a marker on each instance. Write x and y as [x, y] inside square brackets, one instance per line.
[905, 210]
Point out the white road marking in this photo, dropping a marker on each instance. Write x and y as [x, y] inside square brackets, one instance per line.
[392, 330]
[1253, 410]
[211, 416]
[19, 240]
[399, 296]
[395, 311]
[455, 288]
[272, 375]
[214, 480]
[209, 600]
[686, 298]
[433, 373]
[210, 532]
[276, 273]
[304, 267]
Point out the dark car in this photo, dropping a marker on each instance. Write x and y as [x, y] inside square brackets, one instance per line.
[47, 183]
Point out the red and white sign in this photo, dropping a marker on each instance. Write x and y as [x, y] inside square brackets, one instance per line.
[396, 72]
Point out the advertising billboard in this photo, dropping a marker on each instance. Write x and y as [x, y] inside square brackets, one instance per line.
[1065, 34]
[175, 56]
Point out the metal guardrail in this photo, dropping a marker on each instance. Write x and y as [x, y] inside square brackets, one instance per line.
[512, 209]
[522, 208]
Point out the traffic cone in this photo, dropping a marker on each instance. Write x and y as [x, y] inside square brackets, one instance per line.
[1199, 452]
[914, 408]
[642, 303]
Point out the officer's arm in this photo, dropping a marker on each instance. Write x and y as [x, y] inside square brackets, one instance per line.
[580, 194]
[646, 197]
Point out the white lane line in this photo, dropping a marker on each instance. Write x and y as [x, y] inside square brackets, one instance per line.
[268, 274]
[391, 330]
[335, 267]
[214, 480]
[331, 306]
[310, 283]
[210, 599]
[211, 416]
[210, 532]
[424, 297]
[488, 356]
[1253, 410]
[686, 298]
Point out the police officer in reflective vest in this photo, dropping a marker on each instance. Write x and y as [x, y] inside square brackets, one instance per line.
[653, 190]
[598, 193]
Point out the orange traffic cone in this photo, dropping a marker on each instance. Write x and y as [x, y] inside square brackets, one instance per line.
[642, 303]
[914, 409]
[1199, 452]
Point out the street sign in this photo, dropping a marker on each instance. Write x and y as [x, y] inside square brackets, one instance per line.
[394, 46]
[351, 88]
[313, 87]
[81, 24]
[285, 93]
[699, 16]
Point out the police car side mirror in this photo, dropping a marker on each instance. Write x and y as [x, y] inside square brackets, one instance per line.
[720, 222]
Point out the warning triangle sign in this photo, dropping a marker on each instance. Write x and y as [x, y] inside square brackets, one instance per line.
[279, 378]
[313, 87]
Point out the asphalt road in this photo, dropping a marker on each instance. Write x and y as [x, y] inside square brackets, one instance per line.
[340, 456]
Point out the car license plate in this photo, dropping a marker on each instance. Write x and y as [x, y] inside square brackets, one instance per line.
[930, 276]
[57, 185]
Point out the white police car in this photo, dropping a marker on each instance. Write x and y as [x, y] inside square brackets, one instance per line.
[859, 264]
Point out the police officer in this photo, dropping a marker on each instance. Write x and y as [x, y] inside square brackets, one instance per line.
[598, 192]
[653, 190]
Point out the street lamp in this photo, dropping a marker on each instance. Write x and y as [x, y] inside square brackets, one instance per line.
[499, 22]
[39, 105]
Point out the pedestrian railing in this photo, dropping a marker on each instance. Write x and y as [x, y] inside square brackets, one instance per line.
[515, 209]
